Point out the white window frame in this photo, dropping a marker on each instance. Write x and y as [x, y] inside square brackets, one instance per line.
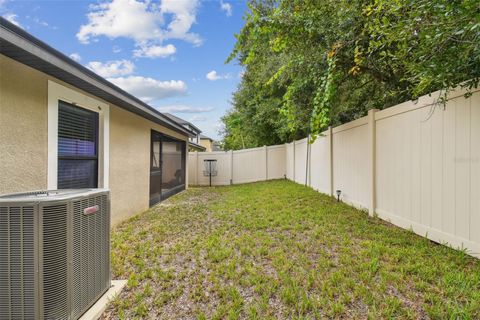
[57, 92]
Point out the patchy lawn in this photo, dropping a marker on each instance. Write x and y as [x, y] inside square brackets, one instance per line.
[281, 250]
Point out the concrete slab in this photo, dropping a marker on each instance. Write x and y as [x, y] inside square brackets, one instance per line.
[100, 306]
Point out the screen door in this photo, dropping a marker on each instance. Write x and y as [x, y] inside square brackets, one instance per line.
[167, 167]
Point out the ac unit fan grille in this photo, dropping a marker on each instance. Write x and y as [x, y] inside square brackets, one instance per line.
[55, 270]
[17, 263]
[91, 276]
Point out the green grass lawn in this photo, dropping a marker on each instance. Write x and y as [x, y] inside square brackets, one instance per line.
[280, 250]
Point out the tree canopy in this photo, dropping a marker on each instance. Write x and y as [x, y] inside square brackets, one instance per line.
[313, 63]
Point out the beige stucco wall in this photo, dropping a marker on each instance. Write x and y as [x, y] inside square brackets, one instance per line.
[207, 143]
[24, 136]
[130, 162]
[23, 127]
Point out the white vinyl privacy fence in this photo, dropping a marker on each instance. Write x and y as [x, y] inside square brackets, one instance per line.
[242, 166]
[416, 165]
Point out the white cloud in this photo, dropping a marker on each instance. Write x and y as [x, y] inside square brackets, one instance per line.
[182, 108]
[183, 17]
[198, 118]
[121, 18]
[144, 22]
[149, 89]
[213, 76]
[112, 68]
[41, 22]
[75, 56]
[44, 23]
[116, 49]
[227, 7]
[155, 51]
[13, 18]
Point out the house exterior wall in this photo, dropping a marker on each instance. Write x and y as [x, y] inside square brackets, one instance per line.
[24, 141]
[130, 162]
[207, 143]
[23, 127]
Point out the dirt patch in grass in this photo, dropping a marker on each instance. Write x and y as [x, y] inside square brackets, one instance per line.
[275, 250]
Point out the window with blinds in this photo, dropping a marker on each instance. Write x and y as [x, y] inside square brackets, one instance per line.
[77, 147]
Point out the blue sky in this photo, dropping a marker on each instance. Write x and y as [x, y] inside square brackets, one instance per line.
[170, 53]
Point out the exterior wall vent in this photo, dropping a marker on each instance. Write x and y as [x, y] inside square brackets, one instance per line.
[54, 253]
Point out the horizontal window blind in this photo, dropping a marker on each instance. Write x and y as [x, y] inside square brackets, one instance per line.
[77, 131]
[77, 147]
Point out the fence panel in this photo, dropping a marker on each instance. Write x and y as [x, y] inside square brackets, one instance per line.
[276, 162]
[351, 162]
[427, 169]
[192, 174]
[320, 164]
[475, 169]
[290, 160]
[301, 161]
[249, 165]
[223, 168]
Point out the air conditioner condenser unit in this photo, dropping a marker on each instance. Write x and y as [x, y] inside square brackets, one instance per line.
[54, 253]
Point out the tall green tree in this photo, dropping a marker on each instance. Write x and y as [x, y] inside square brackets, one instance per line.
[310, 63]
